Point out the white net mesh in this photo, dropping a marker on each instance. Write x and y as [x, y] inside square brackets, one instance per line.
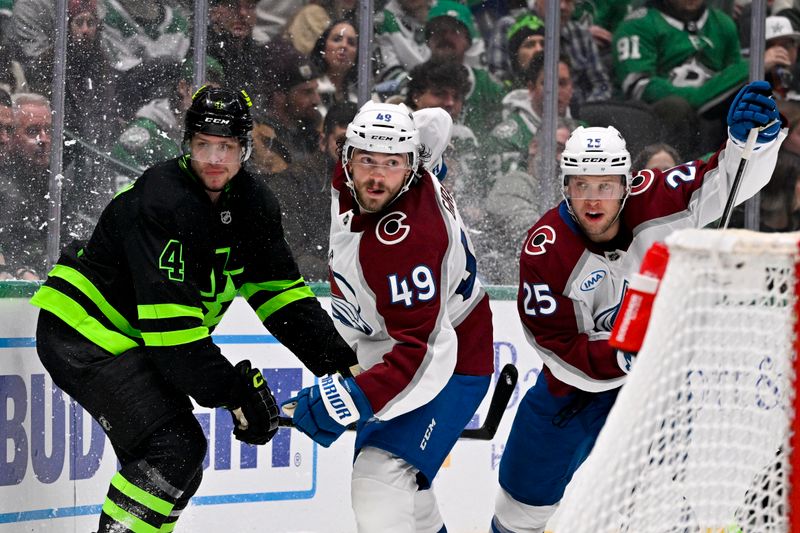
[698, 438]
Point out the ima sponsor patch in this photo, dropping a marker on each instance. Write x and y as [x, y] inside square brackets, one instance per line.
[591, 281]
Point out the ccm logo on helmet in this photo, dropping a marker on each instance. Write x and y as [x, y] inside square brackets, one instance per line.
[594, 160]
[381, 137]
[217, 120]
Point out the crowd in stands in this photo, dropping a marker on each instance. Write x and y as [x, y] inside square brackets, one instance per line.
[663, 72]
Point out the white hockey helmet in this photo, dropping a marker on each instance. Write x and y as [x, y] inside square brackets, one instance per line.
[387, 129]
[596, 151]
[383, 128]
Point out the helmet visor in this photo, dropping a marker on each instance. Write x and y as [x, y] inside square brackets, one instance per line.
[216, 150]
[595, 188]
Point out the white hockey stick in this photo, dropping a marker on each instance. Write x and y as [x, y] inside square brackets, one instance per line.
[737, 181]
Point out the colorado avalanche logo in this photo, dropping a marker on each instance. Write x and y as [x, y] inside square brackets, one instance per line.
[391, 230]
[535, 245]
[642, 181]
[604, 319]
[345, 305]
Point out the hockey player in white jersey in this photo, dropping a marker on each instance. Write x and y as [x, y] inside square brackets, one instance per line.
[574, 267]
[406, 297]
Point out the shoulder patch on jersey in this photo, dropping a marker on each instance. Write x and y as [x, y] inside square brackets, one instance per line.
[391, 230]
[134, 138]
[506, 129]
[642, 181]
[536, 243]
[344, 305]
[591, 281]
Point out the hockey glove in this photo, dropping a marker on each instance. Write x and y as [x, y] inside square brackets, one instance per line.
[336, 357]
[255, 413]
[325, 410]
[754, 107]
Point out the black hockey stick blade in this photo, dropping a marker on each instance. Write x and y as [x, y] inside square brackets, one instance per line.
[506, 382]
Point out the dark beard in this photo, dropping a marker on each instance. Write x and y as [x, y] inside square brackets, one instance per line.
[666, 6]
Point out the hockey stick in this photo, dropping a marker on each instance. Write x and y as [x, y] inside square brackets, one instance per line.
[506, 382]
[737, 181]
[503, 390]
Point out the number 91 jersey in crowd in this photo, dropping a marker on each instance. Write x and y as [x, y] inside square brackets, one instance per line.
[405, 295]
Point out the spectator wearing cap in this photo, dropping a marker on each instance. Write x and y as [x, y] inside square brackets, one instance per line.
[497, 43]
[335, 55]
[524, 30]
[91, 108]
[450, 32]
[291, 99]
[90, 96]
[156, 132]
[780, 56]
[525, 38]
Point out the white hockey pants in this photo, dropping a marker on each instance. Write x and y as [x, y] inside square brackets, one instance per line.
[386, 498]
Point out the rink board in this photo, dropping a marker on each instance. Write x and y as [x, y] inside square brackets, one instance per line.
[55, 461]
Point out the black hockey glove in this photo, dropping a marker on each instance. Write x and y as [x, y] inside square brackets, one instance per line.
[255, 413]
[338, 357]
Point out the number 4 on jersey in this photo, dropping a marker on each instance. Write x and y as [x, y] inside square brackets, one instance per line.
[171, 260]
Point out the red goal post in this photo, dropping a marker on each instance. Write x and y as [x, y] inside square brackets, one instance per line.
[703, 436]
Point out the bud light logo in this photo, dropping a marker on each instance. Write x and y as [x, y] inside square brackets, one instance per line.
[591, 281]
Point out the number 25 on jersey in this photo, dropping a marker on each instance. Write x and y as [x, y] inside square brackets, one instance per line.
[538, 299]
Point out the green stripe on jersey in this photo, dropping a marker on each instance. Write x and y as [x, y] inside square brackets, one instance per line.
[249, 289]
[156, 311]
[82, 283]
[175, 338]
[76, 316]
[282, 299]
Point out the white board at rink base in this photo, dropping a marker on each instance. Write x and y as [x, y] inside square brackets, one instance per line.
[56, 463]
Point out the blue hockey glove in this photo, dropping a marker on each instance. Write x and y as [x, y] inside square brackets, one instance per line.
[754, 107]
[255, 411]
[325, 410]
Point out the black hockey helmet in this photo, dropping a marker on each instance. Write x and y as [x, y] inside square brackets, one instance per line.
[222, 112]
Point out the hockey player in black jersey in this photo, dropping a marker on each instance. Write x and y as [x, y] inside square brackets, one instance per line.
[126, 317]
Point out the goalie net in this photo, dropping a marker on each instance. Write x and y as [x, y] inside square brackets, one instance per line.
[699, 439]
